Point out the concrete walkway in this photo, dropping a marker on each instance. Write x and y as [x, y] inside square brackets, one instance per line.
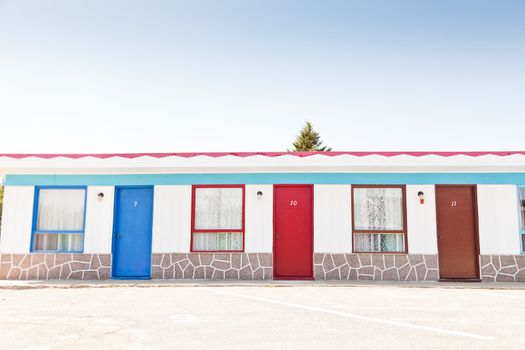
[18, 285]
[261, 315]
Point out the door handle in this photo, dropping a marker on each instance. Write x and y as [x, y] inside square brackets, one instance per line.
[277, 235]
[118, 236]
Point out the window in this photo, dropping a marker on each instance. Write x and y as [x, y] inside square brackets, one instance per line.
[379, 218]
[58, 224]
[521, 196]
[218, 218]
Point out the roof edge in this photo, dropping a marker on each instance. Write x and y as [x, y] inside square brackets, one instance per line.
[264, 154]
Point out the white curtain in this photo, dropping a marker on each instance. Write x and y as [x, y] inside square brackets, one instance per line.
[61, 209]
[379, 242]
[58, 242]
[218, 208]
[217, 241]
[378, 209]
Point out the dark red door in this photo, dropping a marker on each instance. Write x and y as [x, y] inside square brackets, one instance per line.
[293, 231]
[457, 232]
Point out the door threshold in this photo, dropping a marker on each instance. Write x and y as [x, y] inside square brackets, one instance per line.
[459, 280]
[293, 278]
[130, 278]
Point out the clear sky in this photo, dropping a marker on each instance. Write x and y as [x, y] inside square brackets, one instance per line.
[174, 76]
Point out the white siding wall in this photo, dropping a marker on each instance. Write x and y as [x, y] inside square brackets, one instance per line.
[99, 220]
[17, 219]
[259, 219]
[421, 220]
[332, 219]
[497, 207]
[498, 219]
[172, 219]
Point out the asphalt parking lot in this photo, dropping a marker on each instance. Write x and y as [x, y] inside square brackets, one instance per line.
[262, 317]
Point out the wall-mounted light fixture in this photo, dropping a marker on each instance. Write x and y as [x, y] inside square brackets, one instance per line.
[421, 196]
[100, 196]
[259, 194]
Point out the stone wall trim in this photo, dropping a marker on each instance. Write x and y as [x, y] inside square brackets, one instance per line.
[54, 266]
[215, 266]
[377, 267]
[502, 268]
[253, 266]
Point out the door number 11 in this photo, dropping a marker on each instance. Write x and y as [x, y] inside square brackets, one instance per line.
[453, 203]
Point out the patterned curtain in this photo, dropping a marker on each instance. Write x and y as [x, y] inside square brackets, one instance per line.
[218, 208]
[379, 242]
[378, 209]
[217, 241]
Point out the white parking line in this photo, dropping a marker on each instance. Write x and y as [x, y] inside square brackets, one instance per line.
[357, 317]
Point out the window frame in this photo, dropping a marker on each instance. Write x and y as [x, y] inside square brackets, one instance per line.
[56, 232]
[404, 231]
[198, 231]
[521, 231]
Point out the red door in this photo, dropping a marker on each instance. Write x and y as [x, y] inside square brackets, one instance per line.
[293, 232]
[457, 232]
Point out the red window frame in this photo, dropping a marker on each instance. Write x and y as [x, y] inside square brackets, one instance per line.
[403, 231]
[197, 231]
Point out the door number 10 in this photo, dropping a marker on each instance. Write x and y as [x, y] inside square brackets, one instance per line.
[293, 203]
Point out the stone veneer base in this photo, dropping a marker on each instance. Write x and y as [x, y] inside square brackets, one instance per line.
[253, 266]
[55, 266]
[217, 266]
[502, 268]
[378, 267]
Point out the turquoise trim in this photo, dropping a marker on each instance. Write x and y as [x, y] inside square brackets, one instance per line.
[266, 178]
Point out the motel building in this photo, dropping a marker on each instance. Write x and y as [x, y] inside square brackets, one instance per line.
[415, 216]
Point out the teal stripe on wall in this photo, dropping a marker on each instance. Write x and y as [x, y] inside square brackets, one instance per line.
[268, 178]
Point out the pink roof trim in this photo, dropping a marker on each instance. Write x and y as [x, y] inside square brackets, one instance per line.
[265, 154]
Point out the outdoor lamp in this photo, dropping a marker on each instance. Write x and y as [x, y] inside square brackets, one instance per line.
[421, 196]
[259, 195]
[100, 196]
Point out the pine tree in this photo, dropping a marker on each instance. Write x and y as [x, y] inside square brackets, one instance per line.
[309, 140]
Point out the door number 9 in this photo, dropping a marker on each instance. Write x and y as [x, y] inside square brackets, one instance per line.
[293, 203]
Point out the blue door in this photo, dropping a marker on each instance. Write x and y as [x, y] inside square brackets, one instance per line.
[132, 232]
